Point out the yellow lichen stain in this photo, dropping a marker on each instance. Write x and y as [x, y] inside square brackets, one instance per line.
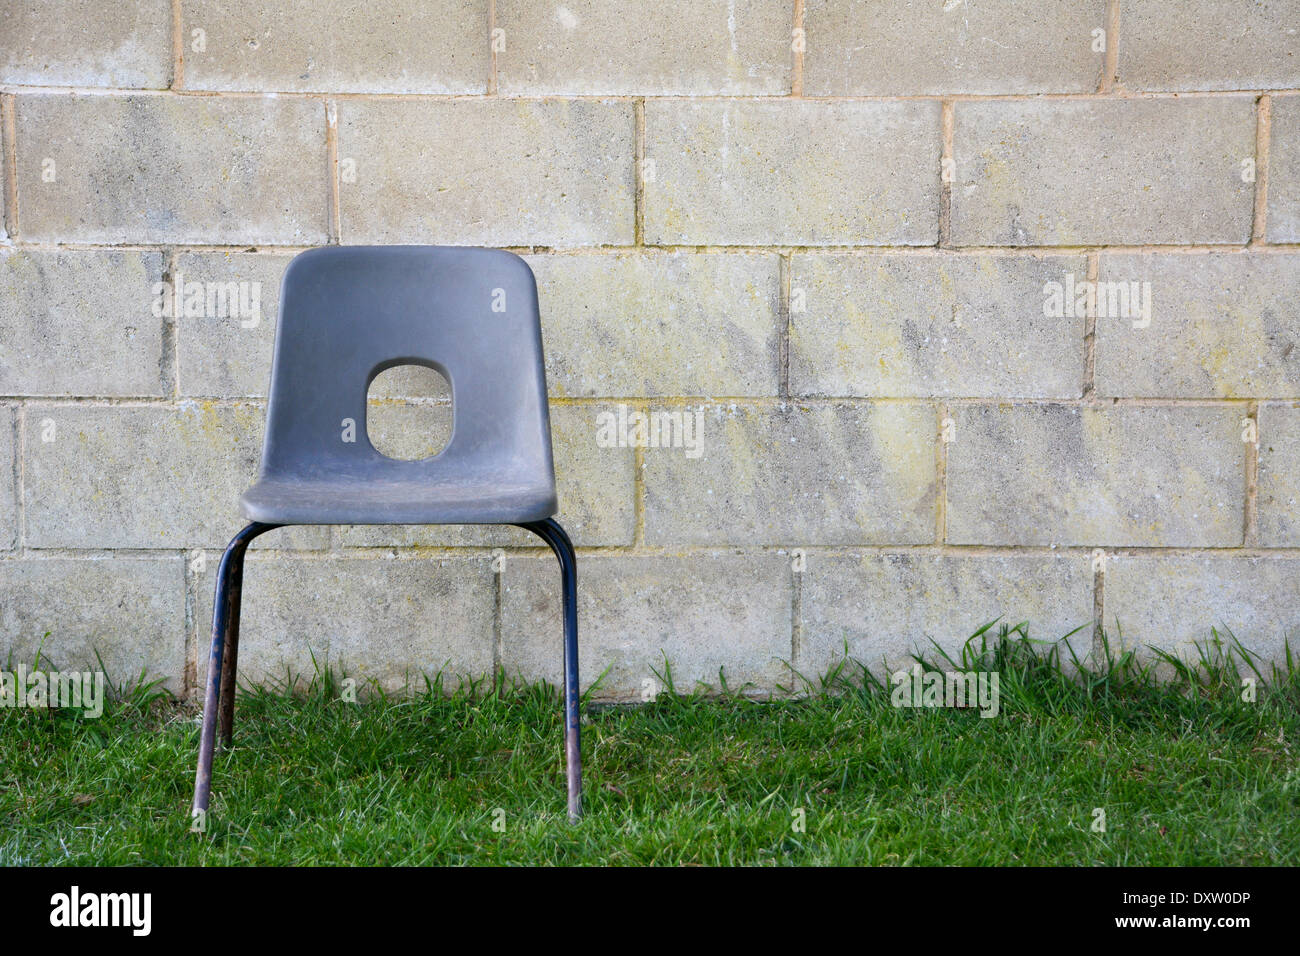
[1222, 336]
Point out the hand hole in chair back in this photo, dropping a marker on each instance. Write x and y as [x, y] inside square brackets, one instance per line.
[409, 412]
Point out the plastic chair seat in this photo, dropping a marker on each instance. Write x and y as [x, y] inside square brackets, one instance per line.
[490, 499]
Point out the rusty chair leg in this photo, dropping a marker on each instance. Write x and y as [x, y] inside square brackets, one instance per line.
[219, 696]
[551, 532]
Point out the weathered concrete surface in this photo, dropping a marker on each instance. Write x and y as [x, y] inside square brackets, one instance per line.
[497, 172]
[1078, 172]
[725, 215]
[926, 326]
[140, 476]
[796, 475]
[80, 323]
[1063, 475]
[1278, 506]
[651, 324]
[1284, 170]
[881, 608]
[1209, 44]
[382, 46]
[130, 609]
[802, 173]
[629, 48]
[642, 618]
[900, 48]
[383, 620]
[1222, 325]
[8, 479]
[193, 169]
[1173, 602]
[73, 43]
[227, 353]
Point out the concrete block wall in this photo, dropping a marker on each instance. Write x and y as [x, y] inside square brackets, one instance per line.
[983, 309]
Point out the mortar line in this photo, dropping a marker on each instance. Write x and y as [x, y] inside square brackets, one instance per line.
[941, 479]
[680, 401]
[638, 490]
[1089, 394]
[684, 98]
[190, 582]
[1250, 516]
[169, 364]
[638, 194]
[796, 70]
[1108, 82]
[333, 216]
[395, 552]
[946, 159]
[796, 626]
[1263, 128]
[865, 250]
[783, 319]
[20, 473]
[8, 115]
[498, 632]
[493, 85]
[178, 47]
[1099, 607]
[15, 476]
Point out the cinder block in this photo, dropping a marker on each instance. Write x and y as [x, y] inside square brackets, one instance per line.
[1278, 501]
[160, 169]
[595, 485]
[901, 48]
[1126, 475]
[920, 326]
[487, 172]
[1115, 171]
[129, 609]
[629, 48]
[80, 323]
[74, 43]
[1283, 216]
[1172, 603]
[1209, 44]
[796, 474]
[792, 173]
[8, 480]
[1221, 325]
[884, 607]
[140, 476]
[390, 621]
[223, 348]
[660, 324]
[383, 46]
[701, 617]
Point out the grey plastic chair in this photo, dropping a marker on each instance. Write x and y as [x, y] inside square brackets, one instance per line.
[347, 314]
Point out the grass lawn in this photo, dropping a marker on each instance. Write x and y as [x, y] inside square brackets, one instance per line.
[1186, 772]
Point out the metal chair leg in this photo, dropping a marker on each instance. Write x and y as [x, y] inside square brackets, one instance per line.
[551, 532]
[219, 697]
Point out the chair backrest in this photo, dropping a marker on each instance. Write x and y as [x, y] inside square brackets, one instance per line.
[348, 313]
